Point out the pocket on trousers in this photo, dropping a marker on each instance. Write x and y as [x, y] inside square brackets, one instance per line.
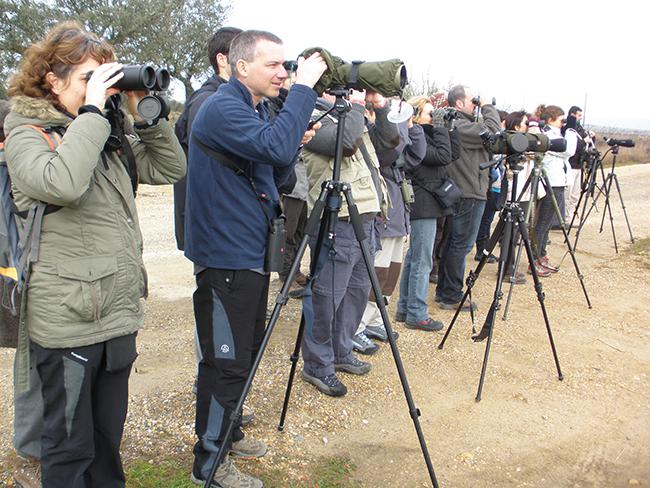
[88, 285]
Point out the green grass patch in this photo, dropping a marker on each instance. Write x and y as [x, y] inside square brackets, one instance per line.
[141, 474]
[334, 472]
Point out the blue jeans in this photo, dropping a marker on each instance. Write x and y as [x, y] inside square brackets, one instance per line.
[414, 284]
[464, 228]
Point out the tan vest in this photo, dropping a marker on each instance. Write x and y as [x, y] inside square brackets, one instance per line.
[354, 171]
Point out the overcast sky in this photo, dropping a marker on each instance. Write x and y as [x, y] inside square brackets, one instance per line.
[523, 53]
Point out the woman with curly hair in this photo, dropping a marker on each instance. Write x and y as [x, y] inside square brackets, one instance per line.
[82, 306]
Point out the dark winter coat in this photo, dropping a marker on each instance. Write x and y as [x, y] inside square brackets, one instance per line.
[465, 172]
[182, 129]
[397, 223]
[430, 173]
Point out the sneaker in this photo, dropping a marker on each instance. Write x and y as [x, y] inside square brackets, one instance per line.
[542, 272]
[519, 279]
[546, 264]
[428, 324]
[27, 473]
[363, 345]
[467, 306]
[400, 317]
[379, 332]
[330, 384]
[228, 476]
[353, 366]
[248, 448]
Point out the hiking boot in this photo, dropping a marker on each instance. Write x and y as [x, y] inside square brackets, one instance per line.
[248, 448]
[330, 384]
[363, 345]
[400, 317]
[542, 272]
[519, 279]
[379, 332]
[428, 324]
[353, 366]
[467, 306]
[27, 473]
[546, 264]
[490, 260]
[228, 476]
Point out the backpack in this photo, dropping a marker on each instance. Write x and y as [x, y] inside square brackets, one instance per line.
[19, 231]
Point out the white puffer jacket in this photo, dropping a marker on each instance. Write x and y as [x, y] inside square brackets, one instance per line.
[556, 164]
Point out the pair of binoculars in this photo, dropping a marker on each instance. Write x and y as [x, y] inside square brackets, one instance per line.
[141, 77]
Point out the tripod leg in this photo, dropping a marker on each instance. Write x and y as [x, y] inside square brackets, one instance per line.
[540, 292]
[608, 210]
[473, 275]
[488, 326]
[414, 412]
[310, 231]
[529, 215]
[620, 196]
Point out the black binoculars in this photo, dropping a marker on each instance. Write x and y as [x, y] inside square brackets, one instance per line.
[141, 77]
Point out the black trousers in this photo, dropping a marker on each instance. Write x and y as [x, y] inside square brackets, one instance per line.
[295, 211]
[230, 313]
[85, 399]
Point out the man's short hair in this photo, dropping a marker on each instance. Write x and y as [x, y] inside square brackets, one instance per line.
[574, 110]
[219, 43]
[244, 45]
[456, 93]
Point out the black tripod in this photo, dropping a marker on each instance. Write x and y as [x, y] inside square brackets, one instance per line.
[510, 215]
[321, 225]
[604, 188]
[539, 176]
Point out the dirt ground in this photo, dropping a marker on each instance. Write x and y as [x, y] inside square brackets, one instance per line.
[529, 430]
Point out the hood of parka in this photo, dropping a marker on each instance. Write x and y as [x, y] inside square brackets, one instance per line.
[34, 111]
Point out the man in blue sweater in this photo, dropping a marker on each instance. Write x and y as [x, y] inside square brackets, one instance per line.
[226, 228]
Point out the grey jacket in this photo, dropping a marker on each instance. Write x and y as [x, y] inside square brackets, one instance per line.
[465, 172]
[363, 176]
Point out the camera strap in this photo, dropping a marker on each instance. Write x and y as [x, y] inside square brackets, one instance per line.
[374, 172]
[229, 162]
[118, 140]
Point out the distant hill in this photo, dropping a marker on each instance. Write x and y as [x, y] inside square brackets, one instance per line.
[611, 131]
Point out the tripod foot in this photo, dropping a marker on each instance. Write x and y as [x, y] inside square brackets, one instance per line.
[280, 428]
[560, 377]
[478, 398]
[482, 335]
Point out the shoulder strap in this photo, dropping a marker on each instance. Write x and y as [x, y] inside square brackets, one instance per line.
[222, 158]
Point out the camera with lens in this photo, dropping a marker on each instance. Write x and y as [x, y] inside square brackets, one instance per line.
[290, 66]
[450, 116]
[513, 142]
